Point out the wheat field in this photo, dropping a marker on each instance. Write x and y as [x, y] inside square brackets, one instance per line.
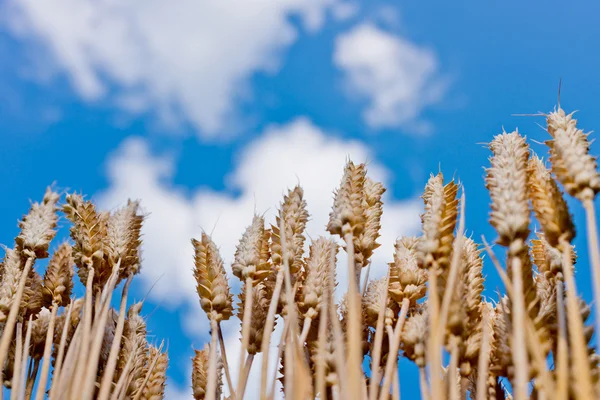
[536, 340]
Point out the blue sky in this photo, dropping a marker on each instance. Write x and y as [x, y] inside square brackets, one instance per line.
[207, 111]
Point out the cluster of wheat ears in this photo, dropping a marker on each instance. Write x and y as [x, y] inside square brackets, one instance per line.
[429, 308]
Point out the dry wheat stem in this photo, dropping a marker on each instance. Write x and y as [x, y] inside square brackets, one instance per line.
[9, 326]
[61, 350]
[562, 361]
[17, 362]
[518, 331]
[433, 355]
[280, 348]
[47, 349]
[392, 361]
[531, 336]
[245, 335]
[354, 321]
[582, 377]
[31, 379]
[484, 357]
[99, 328]
[453, 388]
[85, 341]
[113, 355]
[396, 388]
[594, 252]
[121, 386]
[224, 359]
[24, 357]
[246, 372]
[320, 369]
[211, 389]
[423, 384]
[269, 325]
[377, 343]
[69, 363]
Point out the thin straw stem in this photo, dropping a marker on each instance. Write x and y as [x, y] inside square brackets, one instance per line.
[562, 353]
[113, 355]
[269, 324]
[392, 361]
[581, 367]
[245, 333]
[246, 373]
[354, 322]
[212, 365]
[453, 385]
[321, 388]
[520, 359]
[483, 362]
[423, 384]
[24, 357]
[9, 327]
[41, 389]
[594, 251]
[377, 343]
[305, 330]
[61, 351]
[225, 363]
[17, 362]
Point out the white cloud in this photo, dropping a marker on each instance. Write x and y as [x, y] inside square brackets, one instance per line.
[188, 59]
[396, 77]
[283, 156]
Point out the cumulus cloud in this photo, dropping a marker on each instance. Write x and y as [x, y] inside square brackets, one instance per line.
[396, 77]
[283, 156]
[186, 59]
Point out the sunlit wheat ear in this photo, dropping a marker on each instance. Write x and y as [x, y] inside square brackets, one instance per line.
[155, 386]
[248, 261]
[407, 279]
[366, 242]
[414, 335]
[38, 334]
[211, 279]
[439, 220]
[89, 234]
[200, 374]
[11, 273]
[38, 226]
[548, 203]
[58, 278]
[501, 361]
[133, 345]
[123, 239]
[348, 214]
[569, 154]
[507, 183]
[293, 212]
[31, 302]
[316, 281]
[371, 303]
[260, 306]
[472, 284]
